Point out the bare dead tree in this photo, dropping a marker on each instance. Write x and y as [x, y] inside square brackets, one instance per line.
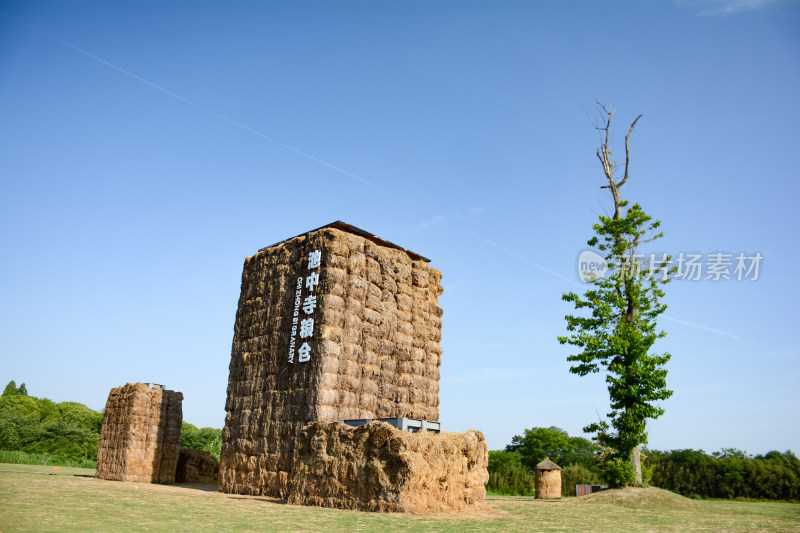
[606, 156]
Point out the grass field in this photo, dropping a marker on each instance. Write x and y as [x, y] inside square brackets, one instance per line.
[35, 502]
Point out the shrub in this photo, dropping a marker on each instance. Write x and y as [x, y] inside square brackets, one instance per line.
[617, 472]
[573, 475]
[507, 475]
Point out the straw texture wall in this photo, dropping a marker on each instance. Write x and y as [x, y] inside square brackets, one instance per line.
[375, 350]
[197, 466]
[141, 435]
[547, 483]
[377, 467]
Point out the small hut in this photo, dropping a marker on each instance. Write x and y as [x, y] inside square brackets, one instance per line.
[548, 480]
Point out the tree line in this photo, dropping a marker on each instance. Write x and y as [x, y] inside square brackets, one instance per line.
[727, 474]
[39, 431]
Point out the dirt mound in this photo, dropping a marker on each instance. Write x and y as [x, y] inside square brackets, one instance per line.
[637, 497]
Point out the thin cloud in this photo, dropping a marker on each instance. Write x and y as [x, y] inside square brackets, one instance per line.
[715, 8]
[428, 223]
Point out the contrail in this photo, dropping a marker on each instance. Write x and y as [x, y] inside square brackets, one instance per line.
[713, 330]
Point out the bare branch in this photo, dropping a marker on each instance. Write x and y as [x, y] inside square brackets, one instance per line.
[627, 152]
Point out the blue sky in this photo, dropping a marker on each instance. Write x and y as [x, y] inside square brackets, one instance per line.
[147, 148]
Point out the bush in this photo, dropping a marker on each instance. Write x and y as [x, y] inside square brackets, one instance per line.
[207, 439]
[573, 475]
[618, 472]
[507, 475]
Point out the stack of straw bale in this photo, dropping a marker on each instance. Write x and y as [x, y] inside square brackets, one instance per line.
[377, 467]
[141, 435]
[197, 466]
[375, 351]
[547, 480]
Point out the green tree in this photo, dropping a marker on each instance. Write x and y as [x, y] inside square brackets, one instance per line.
[581, 452]
[11, 389]
[623, 308]
[26, 406]
[80, 415]
[499, 459]
[537, 443]
[17, 431]
[507, 475]
[208, 439]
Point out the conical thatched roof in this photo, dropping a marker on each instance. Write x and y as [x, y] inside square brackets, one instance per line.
[547, 464]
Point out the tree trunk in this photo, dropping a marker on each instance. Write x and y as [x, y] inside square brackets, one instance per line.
[636, 461]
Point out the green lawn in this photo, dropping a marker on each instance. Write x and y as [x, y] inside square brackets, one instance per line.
[61, 502]
[62, 470]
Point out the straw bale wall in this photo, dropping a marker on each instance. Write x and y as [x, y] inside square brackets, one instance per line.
[547, 484]
[375, 350]
[377, 467]
[197, 466]
[141, 435]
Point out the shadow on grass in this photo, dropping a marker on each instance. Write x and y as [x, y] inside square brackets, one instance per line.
[258, 499]
[214, 488]
[195, 486]
[501, 498]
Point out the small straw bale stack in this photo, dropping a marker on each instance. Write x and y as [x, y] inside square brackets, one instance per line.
[141, 435]
[377, 467]
[375, 348]
[547, 480]
[197, 466]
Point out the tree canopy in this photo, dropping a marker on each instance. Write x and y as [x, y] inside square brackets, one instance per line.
[12, 389]
[535, 444]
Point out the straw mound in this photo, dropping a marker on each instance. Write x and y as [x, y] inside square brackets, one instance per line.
[197, 466]
[375, 350]
[637, 497]
[377, 467]
[141, 435]
[548, 484]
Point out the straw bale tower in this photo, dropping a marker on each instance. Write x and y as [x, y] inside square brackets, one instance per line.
[141, 434]
[333, 324]
[548, 480]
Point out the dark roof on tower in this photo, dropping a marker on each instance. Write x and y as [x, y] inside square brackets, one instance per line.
[349, 228]
[547, 464]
